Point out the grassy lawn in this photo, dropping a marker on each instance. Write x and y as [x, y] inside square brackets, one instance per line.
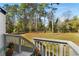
[61, 36]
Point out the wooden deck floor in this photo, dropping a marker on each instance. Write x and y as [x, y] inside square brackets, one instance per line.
[24, 53]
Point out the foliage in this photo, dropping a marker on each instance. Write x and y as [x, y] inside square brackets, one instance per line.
[29, 17]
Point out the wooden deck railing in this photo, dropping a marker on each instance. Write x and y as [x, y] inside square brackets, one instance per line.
[56, 47]
[47, 47]
[20, 42]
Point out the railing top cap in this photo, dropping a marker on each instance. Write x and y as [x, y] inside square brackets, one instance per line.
[11, 34]
[51, 40]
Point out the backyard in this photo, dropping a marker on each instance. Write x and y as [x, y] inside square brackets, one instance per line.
[74, 37]
[25, 21]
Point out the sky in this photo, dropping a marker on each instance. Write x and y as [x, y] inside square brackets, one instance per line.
[63, 8]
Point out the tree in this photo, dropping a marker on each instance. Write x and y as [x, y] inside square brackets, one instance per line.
[51, 14]
[9, 21]
[28, 17]
[9, 25]
[56, 25]
[19, 27]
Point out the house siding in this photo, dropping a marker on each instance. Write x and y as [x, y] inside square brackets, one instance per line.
[2, 28]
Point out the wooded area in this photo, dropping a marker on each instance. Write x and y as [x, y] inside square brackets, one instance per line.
[34, 17]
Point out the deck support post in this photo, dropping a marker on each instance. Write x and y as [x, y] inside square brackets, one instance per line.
[20, 45]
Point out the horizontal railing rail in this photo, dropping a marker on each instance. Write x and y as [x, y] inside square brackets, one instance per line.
[56, 47]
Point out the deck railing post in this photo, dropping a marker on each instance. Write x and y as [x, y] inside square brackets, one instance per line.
[64, 50]
[39, 45]
[56, 49]
[67, 50]
[42, 49]
[35, 43]
[53, 50]
[45, 50]
[49, 49]
[61, 49]
[19, 44]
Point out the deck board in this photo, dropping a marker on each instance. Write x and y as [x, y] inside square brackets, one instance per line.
[24, 53]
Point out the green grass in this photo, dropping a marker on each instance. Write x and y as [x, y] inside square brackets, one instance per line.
[61, 36]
